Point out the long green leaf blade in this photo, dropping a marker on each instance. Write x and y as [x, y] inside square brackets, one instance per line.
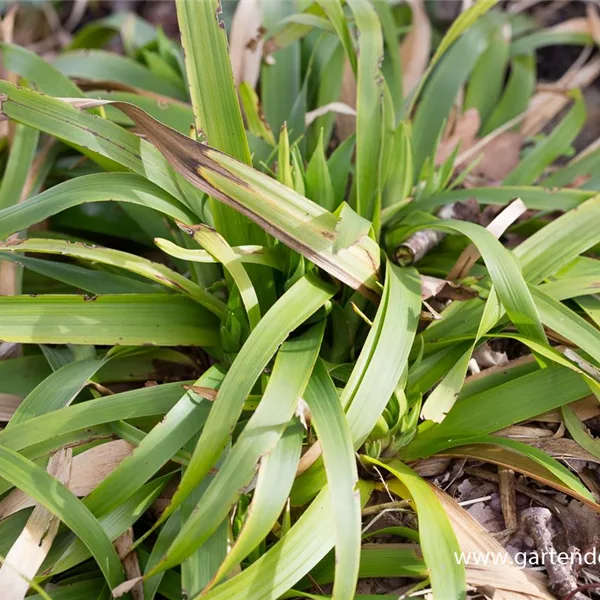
[126, 319]
[216, 109]
[438, 541]
[338, 456]
[292, 309]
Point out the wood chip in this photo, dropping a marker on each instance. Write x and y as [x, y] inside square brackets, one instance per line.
[508, 497]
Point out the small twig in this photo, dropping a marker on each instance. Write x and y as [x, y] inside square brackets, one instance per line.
[383, 512]
[582, 588]
[552, 505]
[420, 243]
[475, 501]
[561, 579]
[376, 508]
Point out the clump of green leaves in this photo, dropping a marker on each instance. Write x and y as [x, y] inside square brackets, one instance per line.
[248, 268]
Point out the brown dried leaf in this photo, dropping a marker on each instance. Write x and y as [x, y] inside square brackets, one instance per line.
[8, 405]
[205, 392]
[304, 413]
[345, 125]
[7, 24]
[308, 458]
[432, 467]
[87, 470]
[513, 363]
[581, 525]
[576, 25]
[431, 286]
[487, 358]
[525, 432]
[498, 152]
[285, 214]
[500, 156]
[521, 463]
[416, 47]
[131, 565]
[464, 134]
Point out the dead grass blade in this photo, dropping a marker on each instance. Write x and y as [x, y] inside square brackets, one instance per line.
[507, 580]
[245, 42]
[416, 47]
[563, 449]
[32, 546]
[593, 21]
[336, 107]
[586, 408]
[546, 104]
[499, 455]
[497, 227]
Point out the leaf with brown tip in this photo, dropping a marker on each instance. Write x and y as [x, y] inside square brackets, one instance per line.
[290, 217]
